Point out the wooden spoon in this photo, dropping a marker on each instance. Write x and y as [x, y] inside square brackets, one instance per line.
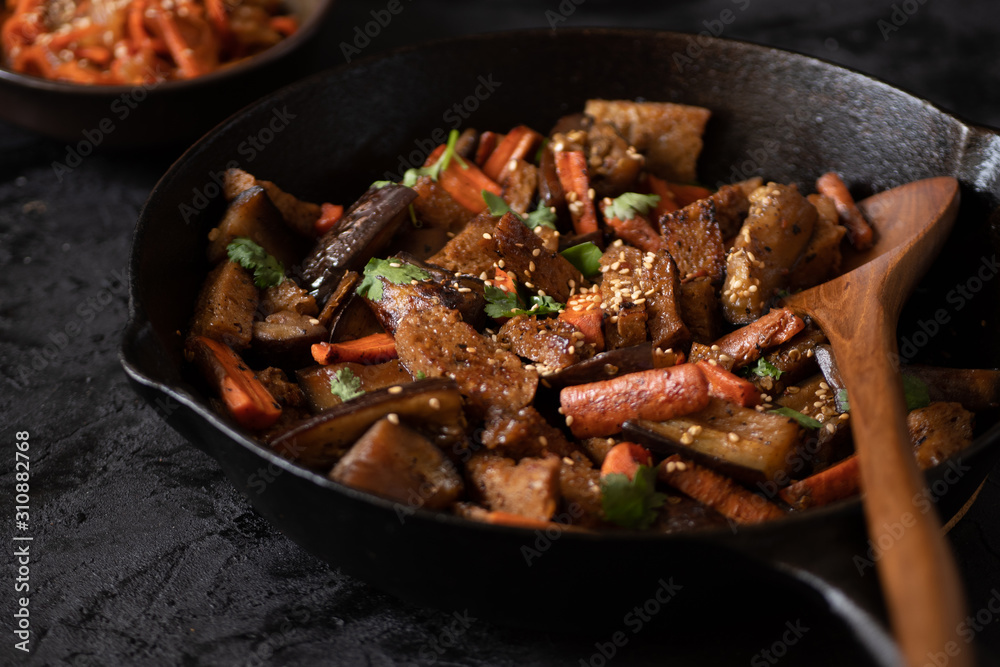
[858, 313]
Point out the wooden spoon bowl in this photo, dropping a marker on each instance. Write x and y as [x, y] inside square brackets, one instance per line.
[858, 312]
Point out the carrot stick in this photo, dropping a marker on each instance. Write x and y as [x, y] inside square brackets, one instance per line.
[746, 344]
[729, 387]
[329, 216]
[667, 203]
[584, 312]
[859, 232]
[517, 145]
[465, 183]
[503, 281]
[717, 491]
[487, 144]
[835, 483]
[637, 232]
[625, 458]
[246, 399]
[571, 168]
[687, 194]
[373, 349]
[284, 25]
[600, 408]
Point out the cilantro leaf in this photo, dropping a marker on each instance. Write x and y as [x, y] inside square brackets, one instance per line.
[843, 405]
[765, 368]
[495, 203]
[434, 170]
[378, 185]
[346, 384]
[420, 375]
[915, 392]
[543, 215]
[631, 503]
[392, 270]
[803, 420]
[544, 305]
[629, 204]
[501, 303]
[267, 271]
[585, 256]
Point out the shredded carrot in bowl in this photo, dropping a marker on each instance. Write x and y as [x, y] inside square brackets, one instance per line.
[136, 41]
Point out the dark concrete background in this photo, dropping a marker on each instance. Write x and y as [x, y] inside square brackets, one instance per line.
[145, 555]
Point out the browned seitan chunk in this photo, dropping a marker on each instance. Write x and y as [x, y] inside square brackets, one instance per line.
[613, 164]
[299, 215]
[548, 341]
[731, 206]
[669, 135]
[315, 380]
[661, 286]
[939, 431]
[580, 488]
[597, 448]
[820, 259]
[524, 433]
[550, 191]
[623, 296]
[287, 296]
[519, 185]
[473, 250]
[545, 270]
[287, 393]
[529, 488]
[777, 229]
[438, 343]
[395, 462]
[693, 238]
[436, 208]
[253, 216]
[462, 294]
[226, 306]
[700, 309]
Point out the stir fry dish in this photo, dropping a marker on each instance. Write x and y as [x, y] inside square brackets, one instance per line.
[531, 329]
[136, 41]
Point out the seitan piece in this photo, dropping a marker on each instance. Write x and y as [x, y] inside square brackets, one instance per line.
[226, 305]
[623, 297]
[939, 431]
[438, 343]
[529, 488]
[669, 135]
[552, 344]
[287, 296]
[253, 216]
[820, 259]
[693, 237]
[580, 488]
[546, 271]
[700, 309]
[660, 284]
[519, 184]
[299, 215]
[436, 208]
[524, 433]
[470, 251]
[315, 380]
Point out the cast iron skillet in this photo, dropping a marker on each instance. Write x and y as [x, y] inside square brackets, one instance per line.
[777, 114]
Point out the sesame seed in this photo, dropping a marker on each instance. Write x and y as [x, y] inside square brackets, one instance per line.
[671, 466]
[435, 403]
[686, 439]
[681, 466]
[752, 289]
[732, 437]
[483, 276]
[823, 385]
[715, 348]
[792, 390]
[614, 267]
[487, 236]
[591, 193]
[393, 418]
[501, 263]
[464, 290]
[569, 420]
[395, 389]
[639, 302]
[536, 252]
[395, 265]
[531, 266]
[818, 404]
[529, 285]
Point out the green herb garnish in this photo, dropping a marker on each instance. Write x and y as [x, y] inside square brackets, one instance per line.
[586, 257]
[378, 185]
[629, 205]
[393, 270]
[543, 215]
[501, 303]
[803, 420]
[267, 271]
[843, 405]
[434, 170]
[420, 375]
[495, 203]
[631, 503]
[915, 392]
[346, 384]
[765, 368]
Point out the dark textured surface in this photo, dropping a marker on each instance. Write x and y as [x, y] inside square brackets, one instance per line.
[145, 554]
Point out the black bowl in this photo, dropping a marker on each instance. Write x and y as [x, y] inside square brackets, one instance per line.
[781, 115]
[124, 116]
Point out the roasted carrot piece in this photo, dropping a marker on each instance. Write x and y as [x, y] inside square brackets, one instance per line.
[373, 349]
[729, 387]
[517, 145]
[487, 144]
[746, 343]
[835, 483]
[571, 168]
[625, 458]
[246, 399]
[329, 216]
[687, 194]
[859, 232]
[285, 25]
[717, 491]
[503, 281]
[508, 519]
[584, 312]
[637, 231]
[600, 408]
[667, 203]
[465, 183]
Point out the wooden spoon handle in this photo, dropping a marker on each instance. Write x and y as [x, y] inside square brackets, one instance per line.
[917, 571]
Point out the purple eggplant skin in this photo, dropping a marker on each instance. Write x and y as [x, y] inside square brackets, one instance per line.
[366, 228]
[603, 366]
